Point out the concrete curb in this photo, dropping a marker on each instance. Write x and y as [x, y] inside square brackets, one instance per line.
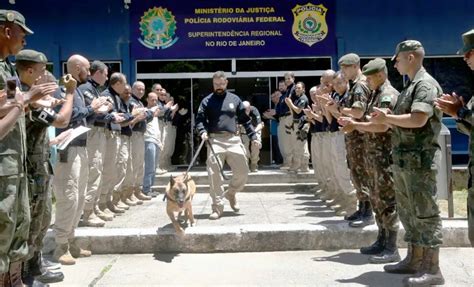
[243, 238]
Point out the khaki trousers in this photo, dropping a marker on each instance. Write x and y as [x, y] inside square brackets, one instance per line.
[124, 172]
[341, 172]
[253, 153]
[69, 186]
[284, 138]
[96, 146]
[109, 172]
[327, 161]
[316, 155]
[138, 158]
[169, 141]
[228, 148]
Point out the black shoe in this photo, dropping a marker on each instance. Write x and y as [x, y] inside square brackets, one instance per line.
[50, 277]
[356, 215]
[376, 247]
[367, 218]
[386, 256]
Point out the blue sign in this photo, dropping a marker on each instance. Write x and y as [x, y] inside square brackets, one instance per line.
[231, 29]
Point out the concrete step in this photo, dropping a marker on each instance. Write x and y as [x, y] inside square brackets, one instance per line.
[255, 187]
[268, 221]
[260, 177]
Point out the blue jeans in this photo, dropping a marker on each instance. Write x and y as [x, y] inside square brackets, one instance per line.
[152, 158]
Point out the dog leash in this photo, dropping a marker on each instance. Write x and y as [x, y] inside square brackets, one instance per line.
[189, 167]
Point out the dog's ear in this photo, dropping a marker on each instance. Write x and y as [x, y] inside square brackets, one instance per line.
[171, 180]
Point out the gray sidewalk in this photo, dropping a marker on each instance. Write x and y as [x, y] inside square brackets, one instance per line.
[268, 221]
[291, 268]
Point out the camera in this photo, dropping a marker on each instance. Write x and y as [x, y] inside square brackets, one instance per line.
[11, 87]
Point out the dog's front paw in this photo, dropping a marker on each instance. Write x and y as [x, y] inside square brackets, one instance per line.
[180, 232]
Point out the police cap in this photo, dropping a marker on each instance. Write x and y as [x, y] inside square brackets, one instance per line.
[13, 16]
[374, 66]
[407, 46]
[468, 40]
[31, 56]
[349, 59]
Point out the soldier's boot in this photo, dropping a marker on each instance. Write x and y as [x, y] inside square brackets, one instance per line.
[124, 194]
[429, 273]
[410, 264]
[112, 205]
[357, 214]
[34, 267]
[232, 201]
[62, 255]
[102, 214]
[378, 246]
[140, 195]
[27, 272]
[390, 252]
[132, 197]
[217, 211]
[78, 252]
[366, 218]
[89, 218]
[117, 202]
[15, 274]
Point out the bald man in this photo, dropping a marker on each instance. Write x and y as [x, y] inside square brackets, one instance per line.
[71, 171]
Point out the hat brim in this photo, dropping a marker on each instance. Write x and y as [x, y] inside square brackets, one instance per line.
[465, 49]
[26, 29]
[394, 57]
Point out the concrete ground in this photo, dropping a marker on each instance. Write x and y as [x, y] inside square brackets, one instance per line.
[291, 268]
[267, 221]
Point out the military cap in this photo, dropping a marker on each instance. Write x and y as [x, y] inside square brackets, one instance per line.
[32, 56]
[468, 39]
[374, 66]
[349, 59]
[407, 46]
[14, 17]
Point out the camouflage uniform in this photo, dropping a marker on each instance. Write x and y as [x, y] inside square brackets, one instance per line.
[413, 153]
[14, 209]
[357, 98]
[378, 161]
[464, 125]
[39, 174]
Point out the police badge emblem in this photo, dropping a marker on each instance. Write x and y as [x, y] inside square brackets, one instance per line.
[309, 25]
[10, 16]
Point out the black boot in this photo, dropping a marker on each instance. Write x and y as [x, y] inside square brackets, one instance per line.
[389, 253]
[41, 274]
[377, 246]
[356, 215]
[367, 218]
[50, 277]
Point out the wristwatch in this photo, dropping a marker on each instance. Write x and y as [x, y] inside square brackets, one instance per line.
[463, 112]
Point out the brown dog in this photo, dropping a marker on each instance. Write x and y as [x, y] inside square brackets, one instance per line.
[179, 194]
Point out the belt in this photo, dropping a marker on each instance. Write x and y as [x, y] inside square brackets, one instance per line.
[221, 134]
[78, 143]
[99, 124]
